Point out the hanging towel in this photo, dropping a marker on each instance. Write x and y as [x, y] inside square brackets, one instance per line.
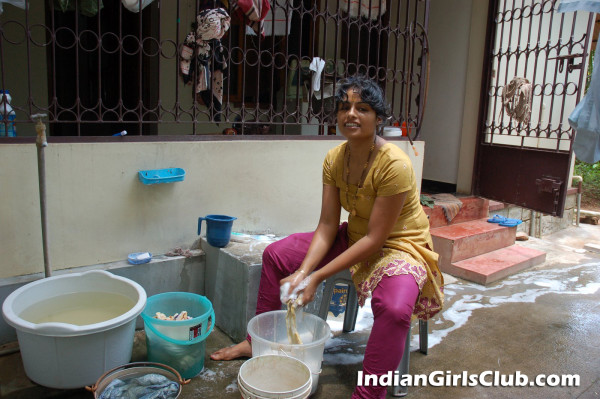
[449, 203]
[203, 53]
[316, 65]
[516, 99]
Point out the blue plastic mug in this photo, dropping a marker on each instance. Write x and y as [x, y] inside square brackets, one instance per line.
[218, 229]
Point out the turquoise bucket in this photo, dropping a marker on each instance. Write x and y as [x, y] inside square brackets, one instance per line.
[180, 344]
[218, 229]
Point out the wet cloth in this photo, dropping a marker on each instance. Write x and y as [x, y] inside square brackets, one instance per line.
[149, 386]
[449, 203]
[409, 247]
[517, 98]
[392, 303]
[203, 55]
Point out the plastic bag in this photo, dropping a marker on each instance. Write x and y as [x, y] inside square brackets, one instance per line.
[585, 119]
[134, 5]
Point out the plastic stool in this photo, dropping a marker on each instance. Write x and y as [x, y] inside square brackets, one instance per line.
[351, 303]
[351, 313]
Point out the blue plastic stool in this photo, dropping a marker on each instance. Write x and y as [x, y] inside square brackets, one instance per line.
[350, 322]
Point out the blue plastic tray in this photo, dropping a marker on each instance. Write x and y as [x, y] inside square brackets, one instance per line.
[155, 176]
[138, 258]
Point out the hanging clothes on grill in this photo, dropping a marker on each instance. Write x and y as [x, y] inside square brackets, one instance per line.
[202, 58]
[253, 12]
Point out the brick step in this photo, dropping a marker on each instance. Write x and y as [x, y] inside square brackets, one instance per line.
[495, 265]
[466, 240]
[473, 208]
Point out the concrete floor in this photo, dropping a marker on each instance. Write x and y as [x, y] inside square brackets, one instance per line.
[545, 320]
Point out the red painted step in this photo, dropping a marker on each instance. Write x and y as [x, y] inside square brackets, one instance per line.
[465, 240]
[495, 265]
[473, 208]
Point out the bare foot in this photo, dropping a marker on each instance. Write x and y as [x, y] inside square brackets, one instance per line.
[243, 349]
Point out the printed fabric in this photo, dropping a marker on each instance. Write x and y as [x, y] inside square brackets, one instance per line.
[253, 12]
[409, 247]
[202, 56]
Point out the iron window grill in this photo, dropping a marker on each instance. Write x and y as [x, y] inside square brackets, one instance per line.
[96, 68]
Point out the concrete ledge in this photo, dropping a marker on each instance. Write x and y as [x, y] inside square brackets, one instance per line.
[231, 283]
[162, 274]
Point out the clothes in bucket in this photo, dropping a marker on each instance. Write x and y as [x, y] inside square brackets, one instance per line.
[270, 337]
[274, 376]
[180, 344]
[218, 229]
[139, 379]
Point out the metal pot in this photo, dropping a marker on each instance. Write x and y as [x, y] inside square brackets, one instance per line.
[133, 370]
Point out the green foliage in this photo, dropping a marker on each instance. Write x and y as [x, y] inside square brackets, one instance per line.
[591, 178]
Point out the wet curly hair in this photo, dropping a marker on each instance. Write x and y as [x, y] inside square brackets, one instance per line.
[368, 91]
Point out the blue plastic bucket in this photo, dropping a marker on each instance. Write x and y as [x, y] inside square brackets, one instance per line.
[218, 229]
[180, 344]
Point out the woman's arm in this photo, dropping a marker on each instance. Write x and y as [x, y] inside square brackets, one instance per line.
[324, 236]
[384, 215]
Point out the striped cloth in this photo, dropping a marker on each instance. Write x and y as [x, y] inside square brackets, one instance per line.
[449, 203]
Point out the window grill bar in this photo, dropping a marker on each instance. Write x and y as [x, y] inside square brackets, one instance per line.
[85, 98]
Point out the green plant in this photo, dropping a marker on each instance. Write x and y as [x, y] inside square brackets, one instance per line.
[591, 179]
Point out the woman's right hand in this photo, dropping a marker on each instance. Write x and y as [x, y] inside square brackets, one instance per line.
[294, 279]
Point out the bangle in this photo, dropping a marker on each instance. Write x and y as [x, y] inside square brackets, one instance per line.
[301, 271]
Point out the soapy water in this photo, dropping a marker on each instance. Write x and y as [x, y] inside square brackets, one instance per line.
[462, 298]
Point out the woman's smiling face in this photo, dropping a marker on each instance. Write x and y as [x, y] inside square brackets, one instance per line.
[356, 119]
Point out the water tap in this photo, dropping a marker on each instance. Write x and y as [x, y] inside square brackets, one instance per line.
[40, 128]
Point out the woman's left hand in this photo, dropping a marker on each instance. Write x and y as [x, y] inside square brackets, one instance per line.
[308, 294]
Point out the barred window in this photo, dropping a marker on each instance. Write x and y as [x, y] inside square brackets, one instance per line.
[196, 67]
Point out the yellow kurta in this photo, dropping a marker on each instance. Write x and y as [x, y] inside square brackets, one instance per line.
[409, 248]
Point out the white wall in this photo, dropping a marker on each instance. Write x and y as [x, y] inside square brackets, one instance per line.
[449, 30]
[98, 211]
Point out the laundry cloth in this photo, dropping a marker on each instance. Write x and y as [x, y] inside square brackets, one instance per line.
[449, 203]
[316, 65]
[585, 119]
[149, 386]
[203, 55]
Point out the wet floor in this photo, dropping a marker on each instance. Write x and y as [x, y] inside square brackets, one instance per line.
[542, 321]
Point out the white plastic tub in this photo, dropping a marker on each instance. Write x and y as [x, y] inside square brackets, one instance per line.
[274, 377]
[64, 354]
[269, 337]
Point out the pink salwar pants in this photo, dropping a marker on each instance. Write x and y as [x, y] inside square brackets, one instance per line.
[392, 303]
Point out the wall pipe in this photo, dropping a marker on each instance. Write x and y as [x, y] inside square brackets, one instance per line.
[579, 180]
[41, 143]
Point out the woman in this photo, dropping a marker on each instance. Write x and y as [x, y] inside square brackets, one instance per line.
[385, 243]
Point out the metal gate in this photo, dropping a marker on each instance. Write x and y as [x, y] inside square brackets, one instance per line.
[524, 158]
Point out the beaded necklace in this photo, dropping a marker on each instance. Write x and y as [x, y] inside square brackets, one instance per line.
[362, 176]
